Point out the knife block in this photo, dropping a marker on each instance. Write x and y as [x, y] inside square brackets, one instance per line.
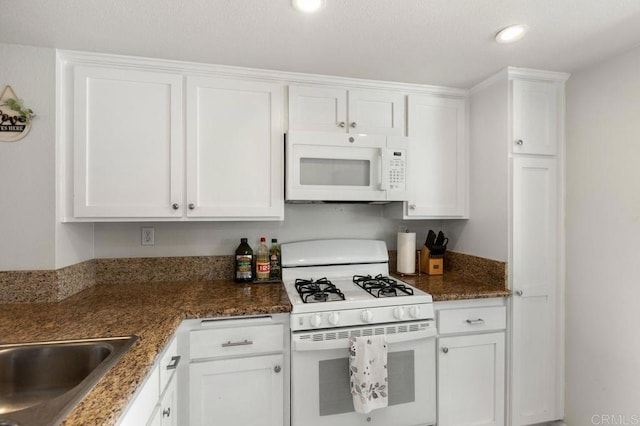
[430, 265]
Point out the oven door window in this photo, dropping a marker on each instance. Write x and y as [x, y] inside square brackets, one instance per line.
[335, 394]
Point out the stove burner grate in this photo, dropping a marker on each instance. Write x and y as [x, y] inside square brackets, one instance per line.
[381, 286]
[318, 291]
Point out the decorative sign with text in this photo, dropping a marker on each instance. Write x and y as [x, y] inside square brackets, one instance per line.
[15, 118]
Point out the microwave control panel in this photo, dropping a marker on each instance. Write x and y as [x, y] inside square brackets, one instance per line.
[396, 170]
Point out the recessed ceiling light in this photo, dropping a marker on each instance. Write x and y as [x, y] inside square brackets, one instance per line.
[512, 33]
[308, 6]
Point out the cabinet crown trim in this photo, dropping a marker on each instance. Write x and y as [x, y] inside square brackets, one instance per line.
[284, 77]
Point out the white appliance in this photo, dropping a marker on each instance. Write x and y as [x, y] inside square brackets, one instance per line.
[335, 292]
[345, 167]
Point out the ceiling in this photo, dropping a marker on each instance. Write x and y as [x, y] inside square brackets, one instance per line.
[442, 42]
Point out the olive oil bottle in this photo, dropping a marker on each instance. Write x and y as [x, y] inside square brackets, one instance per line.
[244, 262]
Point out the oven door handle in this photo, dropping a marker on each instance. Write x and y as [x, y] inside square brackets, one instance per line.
[310, 345]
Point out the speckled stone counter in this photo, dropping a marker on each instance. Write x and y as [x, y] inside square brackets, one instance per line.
[152, 311]
[456, 286]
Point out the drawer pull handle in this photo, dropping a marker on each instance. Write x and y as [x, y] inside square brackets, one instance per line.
[475, 321]
[243, 343]
[166, 412]
[175, 360]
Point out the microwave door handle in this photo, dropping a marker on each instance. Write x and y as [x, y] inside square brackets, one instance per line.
[381, 170]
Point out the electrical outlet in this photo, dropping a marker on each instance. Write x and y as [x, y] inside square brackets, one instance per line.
[148, 236]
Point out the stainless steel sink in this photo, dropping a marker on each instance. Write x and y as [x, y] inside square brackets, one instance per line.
[41, 382]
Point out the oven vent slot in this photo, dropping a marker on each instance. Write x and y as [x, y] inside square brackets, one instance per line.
[345, 334]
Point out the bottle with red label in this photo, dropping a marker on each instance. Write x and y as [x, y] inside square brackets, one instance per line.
[263, 265]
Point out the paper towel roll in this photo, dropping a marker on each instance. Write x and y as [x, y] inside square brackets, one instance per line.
[407, 252]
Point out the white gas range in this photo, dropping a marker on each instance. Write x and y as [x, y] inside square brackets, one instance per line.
[341, 288]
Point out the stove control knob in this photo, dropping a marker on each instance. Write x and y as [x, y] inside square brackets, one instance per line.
[366, 316]
[315, 320]
[334, 318]
[398, 313]
[414, 311]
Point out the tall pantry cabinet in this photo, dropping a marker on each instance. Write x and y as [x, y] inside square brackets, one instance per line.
[517, 128]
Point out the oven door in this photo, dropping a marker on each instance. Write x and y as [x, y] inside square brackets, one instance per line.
[320, 393]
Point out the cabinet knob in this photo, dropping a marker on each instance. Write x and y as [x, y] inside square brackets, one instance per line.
[166, 412]
[342, 124]
[519, 142]
[412, 206]
[277, 369]
[354, 125]
[192, 206]
[519, 293]
[445, 350]
[175, 206]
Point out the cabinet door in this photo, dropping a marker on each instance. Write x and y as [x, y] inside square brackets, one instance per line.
[169, 404]
[471, 387]
[127, 143]
[535, 234]
[237, 392]
[373, 112]
[234, 149]
[438, 165]
[535, 117]
[317, 109]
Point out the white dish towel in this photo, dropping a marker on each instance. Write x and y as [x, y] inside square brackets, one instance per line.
[368, 373]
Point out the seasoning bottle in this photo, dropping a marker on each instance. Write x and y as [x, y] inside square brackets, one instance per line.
[244, 262]
[262, 261]
[274, 260]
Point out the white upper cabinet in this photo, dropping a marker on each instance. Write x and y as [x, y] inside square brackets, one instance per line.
[127, 143]
[534, 116]
[438, 150]
[148, 140]
[340, 110]
[234, 149]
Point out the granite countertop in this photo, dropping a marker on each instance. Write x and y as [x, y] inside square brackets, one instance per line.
[456, 286]
[151, 311]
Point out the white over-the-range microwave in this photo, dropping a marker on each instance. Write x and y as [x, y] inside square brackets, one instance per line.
[345, 167]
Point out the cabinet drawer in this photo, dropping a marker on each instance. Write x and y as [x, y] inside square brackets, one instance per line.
[168, 363]
[236, 341]
[472, 319]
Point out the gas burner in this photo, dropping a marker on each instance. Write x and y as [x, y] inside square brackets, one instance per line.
[318, 291]
[381, 286]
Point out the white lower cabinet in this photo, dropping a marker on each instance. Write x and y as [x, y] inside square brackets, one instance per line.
[156, 401]
[471, 364]
[240, 391]
[238, 371]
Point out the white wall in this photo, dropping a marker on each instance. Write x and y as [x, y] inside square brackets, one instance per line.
[485, 233]
[302, 221]
[27, 184]
[603, 235]
[30, 237]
